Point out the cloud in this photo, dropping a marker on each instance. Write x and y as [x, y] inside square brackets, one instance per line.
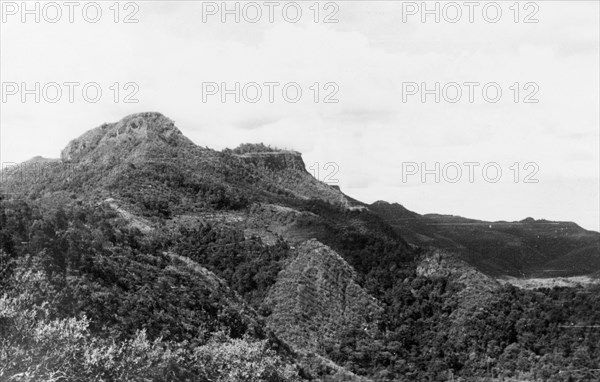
[255, 123]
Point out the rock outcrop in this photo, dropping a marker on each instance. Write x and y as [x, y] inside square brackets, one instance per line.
[316, 298]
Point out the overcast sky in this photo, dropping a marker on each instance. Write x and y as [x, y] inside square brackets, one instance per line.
[370, 55]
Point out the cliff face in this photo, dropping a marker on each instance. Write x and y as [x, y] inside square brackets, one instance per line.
[275, 161]
[316, 298]
[287, 170]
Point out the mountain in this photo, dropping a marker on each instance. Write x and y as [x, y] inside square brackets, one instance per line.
[147, 151]
[139, 255]
[527, 248]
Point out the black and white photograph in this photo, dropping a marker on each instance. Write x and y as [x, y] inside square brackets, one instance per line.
[295, 191]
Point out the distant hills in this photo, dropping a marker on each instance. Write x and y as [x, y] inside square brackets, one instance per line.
[527, 248]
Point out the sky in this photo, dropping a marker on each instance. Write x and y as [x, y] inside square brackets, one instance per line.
[527, 146]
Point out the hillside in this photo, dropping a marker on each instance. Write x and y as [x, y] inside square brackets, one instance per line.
[139, 255]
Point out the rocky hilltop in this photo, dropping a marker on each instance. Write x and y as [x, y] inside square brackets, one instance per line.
[125, 139]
